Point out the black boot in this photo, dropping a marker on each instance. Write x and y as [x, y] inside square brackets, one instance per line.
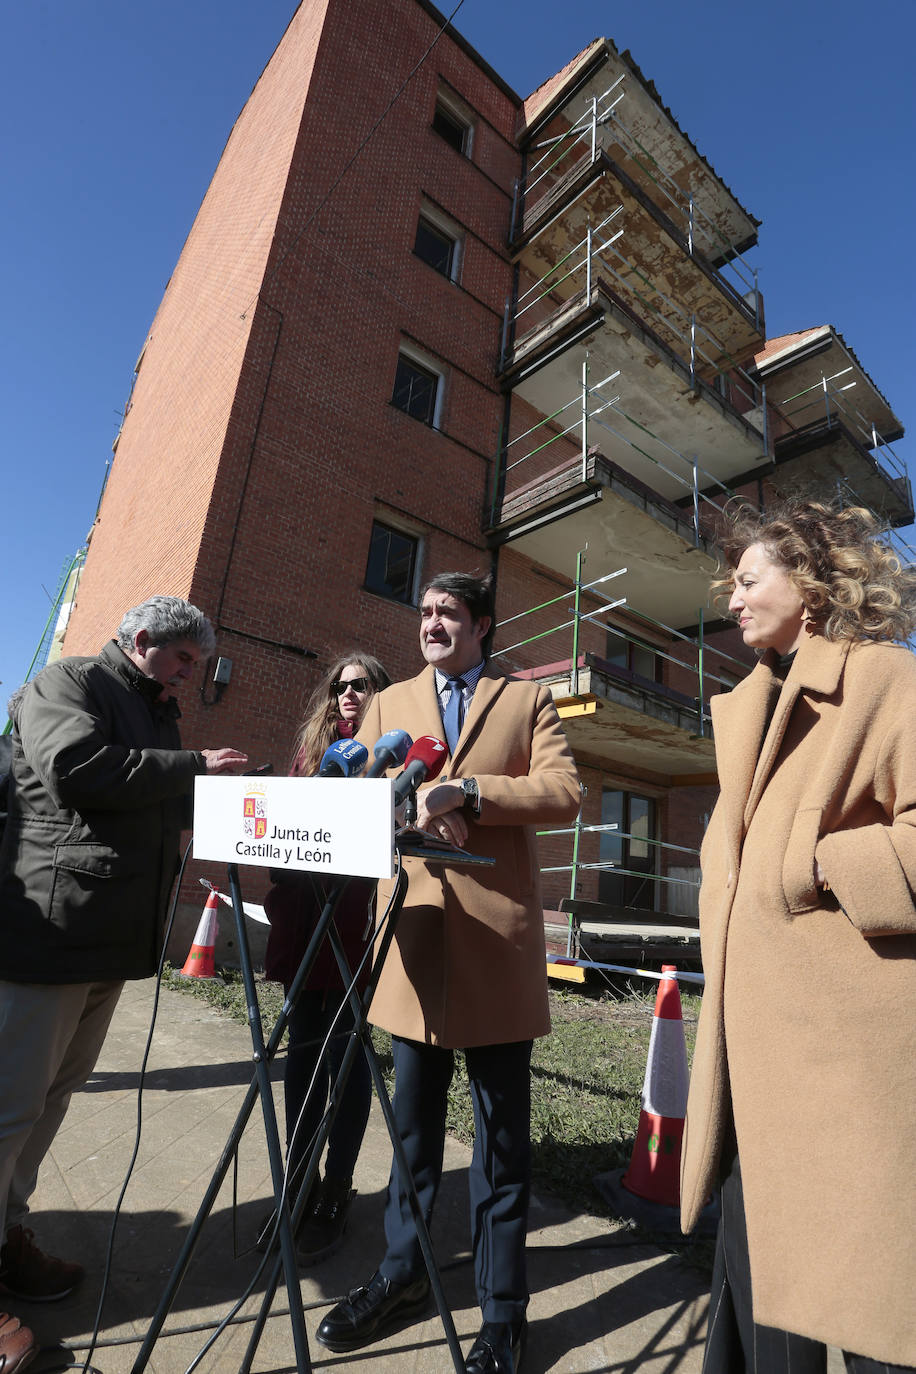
[267, 1226]
[322, 1229]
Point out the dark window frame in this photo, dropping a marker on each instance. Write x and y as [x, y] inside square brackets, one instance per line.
[389, 546]
[445, 264]
[617, 645]
[624, 889]
[452, 127]
[408, 391]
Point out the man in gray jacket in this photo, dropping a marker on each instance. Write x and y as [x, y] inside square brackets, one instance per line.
[100, 791]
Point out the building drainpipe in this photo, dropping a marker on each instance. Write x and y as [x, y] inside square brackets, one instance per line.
[696, 505]
[585, 418]
[700, 698]
[571, 951]
[575, 687]
[576, 600]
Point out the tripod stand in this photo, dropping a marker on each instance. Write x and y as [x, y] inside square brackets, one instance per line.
[260, 1088]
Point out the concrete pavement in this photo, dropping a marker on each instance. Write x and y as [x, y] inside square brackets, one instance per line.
[602, 1298]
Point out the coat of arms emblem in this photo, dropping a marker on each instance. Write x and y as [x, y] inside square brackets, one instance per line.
[254, 808]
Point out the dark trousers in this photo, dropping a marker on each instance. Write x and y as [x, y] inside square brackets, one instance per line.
[735, 1343]
[500, 1172]
[309, 1079]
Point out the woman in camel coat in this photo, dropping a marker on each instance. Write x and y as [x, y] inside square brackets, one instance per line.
[805, 1064]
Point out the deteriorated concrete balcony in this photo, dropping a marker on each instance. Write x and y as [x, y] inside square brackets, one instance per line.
[658, 264]
[624, 523]
[826, 454]
[614, 716]
[603, 104]
[668, 416]
[834, 428]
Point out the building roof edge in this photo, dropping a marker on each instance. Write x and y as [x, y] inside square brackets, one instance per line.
[469, 50]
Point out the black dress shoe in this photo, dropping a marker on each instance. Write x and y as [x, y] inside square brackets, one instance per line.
[498, 1349]
[371, 1311]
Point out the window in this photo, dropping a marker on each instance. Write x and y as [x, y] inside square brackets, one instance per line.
[638, 658]
[628, 849]
[393, 561]
[436, 247]
[416, 389]
[450, 125]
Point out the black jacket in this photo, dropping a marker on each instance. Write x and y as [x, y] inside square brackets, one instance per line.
[100, 792]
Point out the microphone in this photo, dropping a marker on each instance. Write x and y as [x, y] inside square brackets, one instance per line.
[424, 760]
[390, 749]
[343, 759]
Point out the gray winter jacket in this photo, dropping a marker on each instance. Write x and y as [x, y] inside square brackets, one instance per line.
[100, 792]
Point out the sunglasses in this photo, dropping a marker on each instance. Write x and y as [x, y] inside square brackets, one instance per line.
[359, 684]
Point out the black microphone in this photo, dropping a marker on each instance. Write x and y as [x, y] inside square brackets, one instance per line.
[345, 758]
[389, 749]
[424, 761]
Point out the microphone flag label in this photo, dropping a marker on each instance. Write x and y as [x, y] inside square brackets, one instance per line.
[254, 810]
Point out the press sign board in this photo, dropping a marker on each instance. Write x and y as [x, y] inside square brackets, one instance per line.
[321, 825]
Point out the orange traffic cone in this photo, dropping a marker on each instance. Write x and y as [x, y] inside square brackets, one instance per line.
[649, 1190]
[200, 960]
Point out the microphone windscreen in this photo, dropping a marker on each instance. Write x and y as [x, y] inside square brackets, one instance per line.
[430, 752]
[393, 747]
[345, 758]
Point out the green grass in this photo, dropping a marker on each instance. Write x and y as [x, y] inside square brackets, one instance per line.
[586, 1079]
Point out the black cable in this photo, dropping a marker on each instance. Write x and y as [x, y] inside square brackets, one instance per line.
[274, 271]
[106, 1275]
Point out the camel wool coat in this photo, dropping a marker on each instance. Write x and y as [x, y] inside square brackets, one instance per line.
[806, 1035]
[468, 963]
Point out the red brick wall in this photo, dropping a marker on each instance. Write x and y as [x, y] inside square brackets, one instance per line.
[152, 517]
[343, 289]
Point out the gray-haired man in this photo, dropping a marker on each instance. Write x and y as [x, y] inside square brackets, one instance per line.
[100, 791]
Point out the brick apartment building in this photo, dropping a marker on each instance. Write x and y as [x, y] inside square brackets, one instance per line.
[421, 323]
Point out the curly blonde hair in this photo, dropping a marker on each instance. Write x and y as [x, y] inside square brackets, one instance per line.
[839, 560]
[319, 728]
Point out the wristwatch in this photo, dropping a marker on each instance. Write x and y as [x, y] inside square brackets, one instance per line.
[471, 794]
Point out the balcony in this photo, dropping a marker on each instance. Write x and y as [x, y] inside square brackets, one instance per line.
[685, 231]
[640, 703]
[833, 427]
[681, 396]
[614, 716]
[648, 507]
[596, 504]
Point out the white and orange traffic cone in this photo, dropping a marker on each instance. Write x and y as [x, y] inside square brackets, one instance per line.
[655, 1167]
[201, 959]
[649, 1190]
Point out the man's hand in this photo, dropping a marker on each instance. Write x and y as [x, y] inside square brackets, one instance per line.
[439, 812]
[224, 760]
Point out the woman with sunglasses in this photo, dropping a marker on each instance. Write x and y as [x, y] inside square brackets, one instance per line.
[335, 711]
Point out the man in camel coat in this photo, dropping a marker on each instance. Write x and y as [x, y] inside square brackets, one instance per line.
[467, 968]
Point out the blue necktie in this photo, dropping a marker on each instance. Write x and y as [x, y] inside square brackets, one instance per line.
[453, 715]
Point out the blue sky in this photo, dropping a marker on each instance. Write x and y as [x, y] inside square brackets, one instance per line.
[114, 114]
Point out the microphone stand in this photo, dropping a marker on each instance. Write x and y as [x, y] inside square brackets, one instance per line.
[260, 1086]
[361, 1038]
